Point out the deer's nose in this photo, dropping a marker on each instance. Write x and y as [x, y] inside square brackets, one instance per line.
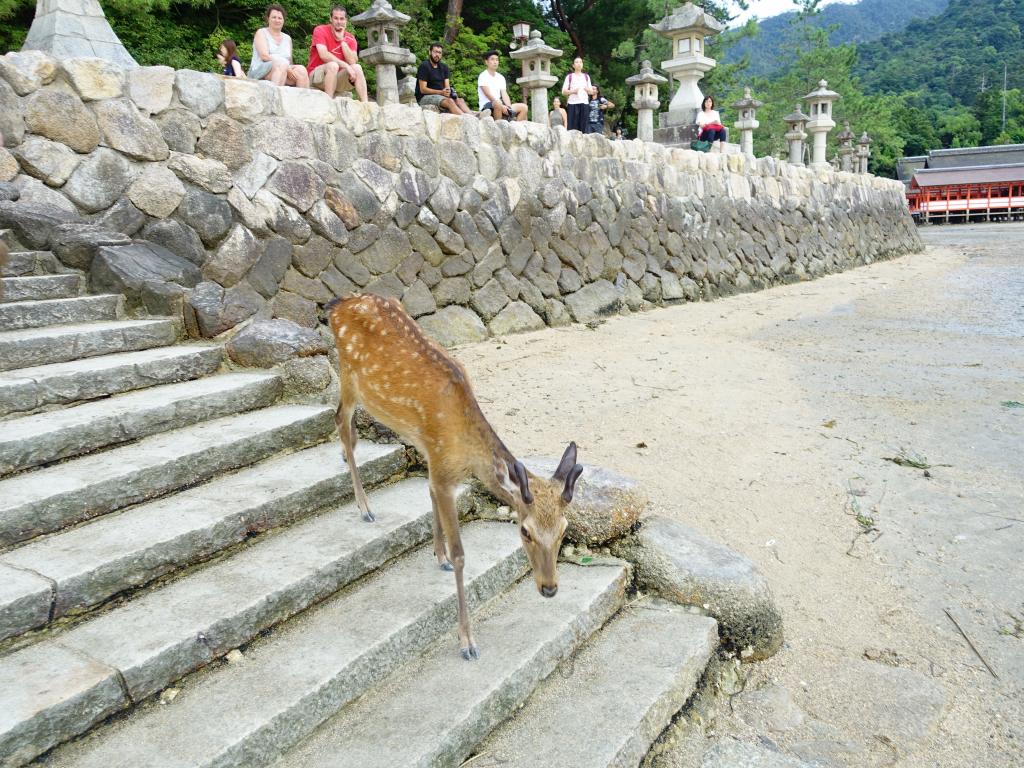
[549, 591]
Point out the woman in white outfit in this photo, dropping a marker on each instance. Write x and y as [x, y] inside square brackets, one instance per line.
[272, 53]
[579, 89]
[710, 124]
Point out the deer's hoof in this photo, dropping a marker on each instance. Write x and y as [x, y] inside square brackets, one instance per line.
[369, 517]
[472, 653]
[446, 566]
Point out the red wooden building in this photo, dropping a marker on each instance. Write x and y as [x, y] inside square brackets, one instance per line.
[981, 193]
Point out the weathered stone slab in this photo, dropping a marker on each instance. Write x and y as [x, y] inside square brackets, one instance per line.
[211, 310]
[52, 498]
[49, 161]
[33, 224]
[127, 131]
[651, 655]
[267, 343]
[94, 79]
[453, 325]
[78, 309]
[151, 88]
[27, 71]
[199, 92]
[233, 258]
[731, 753]
[156, 191]
[592, 301]
[136, 270]
[683, 565]
[99, 180]
[25, 601]
[48, 694]
[62, 117]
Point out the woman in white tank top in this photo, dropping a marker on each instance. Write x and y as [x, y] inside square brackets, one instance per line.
[578, 88]
[272, 53]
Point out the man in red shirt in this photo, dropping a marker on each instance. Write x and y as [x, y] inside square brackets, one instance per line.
[333, 64]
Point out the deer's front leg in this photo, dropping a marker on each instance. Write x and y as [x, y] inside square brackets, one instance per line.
[449, 516]
[439, 549]
[344, 417]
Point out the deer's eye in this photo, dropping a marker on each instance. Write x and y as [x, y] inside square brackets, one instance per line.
[525, 533]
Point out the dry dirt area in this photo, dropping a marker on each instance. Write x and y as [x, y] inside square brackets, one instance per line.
[767, 421]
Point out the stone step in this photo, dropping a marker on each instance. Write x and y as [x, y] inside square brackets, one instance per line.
[437, 708]
[60, 343]
[29, 389]
[608, 705]
[47, 437]
[84, 566]
[58, 688]
[49, 499]
[80, 309]
[36, 287]
[25, 263]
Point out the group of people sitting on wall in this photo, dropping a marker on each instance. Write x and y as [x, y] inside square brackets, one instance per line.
[333, 64]
[334, 68]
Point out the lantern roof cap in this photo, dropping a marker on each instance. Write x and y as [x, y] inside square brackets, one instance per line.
[822, 93]
[647, 76]
[380, 12]
[687, 17]
[797, 116]
[747, 102]
[535, 46]
[846, 134]
[864, 139]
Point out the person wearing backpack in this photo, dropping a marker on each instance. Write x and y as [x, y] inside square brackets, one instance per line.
[578, 88]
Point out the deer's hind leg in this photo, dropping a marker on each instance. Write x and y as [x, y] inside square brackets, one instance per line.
[344, 417]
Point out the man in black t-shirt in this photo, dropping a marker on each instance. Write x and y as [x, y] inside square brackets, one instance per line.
[433, 84]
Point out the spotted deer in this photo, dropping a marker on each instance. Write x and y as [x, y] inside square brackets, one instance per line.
[411, 385]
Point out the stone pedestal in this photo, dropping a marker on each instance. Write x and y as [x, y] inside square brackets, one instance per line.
[75, 28]
[645, 99]
[383, 49]
[536, 57]
[687, 27]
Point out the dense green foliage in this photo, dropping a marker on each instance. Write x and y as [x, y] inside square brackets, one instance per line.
[857, 23]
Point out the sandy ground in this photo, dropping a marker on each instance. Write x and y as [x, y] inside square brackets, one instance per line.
[764, 420]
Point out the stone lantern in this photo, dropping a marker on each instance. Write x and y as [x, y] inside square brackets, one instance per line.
[845, 138]
[383, 48]
[536, 56]
[746, 108]
[687, 27]
[796, 135]
[820, 101]
[863, 152]
[645, 99]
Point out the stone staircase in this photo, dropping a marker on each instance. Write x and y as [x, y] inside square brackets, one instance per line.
[185, 581]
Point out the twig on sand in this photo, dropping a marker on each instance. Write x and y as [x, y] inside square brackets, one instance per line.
[651, 386]
[973, 646]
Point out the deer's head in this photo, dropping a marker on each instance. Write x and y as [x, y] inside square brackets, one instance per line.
[540, 508]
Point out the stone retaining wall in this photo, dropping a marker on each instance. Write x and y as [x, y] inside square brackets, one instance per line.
[225, 199]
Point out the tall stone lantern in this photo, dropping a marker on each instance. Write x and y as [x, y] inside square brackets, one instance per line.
[536, 57]
[383, 48]
[687, 27]
[863, 152]
[820, 101]
[746, 108]
[796, 135]
[645, 99]
[845, 138]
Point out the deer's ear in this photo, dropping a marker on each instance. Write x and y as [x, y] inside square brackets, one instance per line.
[570, 482]
[517, 472]
[566, 464]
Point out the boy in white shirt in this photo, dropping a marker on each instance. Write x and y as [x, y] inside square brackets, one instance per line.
[493, 95]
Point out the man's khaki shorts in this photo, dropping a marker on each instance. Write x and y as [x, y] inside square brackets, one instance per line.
[316, 79]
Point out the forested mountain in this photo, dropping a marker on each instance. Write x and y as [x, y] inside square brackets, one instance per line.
[846, 23]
